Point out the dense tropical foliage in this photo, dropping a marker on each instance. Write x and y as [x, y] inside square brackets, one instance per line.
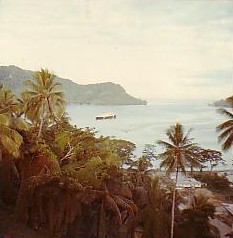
[63, 181]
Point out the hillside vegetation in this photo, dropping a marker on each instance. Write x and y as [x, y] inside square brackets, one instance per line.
[61, 181]
[100, 94]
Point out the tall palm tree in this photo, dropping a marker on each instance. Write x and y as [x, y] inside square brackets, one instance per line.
[154, 213]
[226, 130]
[10, 141]
[43, 99]
[179, 152]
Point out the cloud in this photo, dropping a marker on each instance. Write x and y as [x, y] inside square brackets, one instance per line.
[153, 49]
[217, 77]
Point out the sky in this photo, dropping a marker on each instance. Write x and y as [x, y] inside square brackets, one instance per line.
[155, 49]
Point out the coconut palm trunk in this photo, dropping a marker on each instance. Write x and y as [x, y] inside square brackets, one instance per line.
[179, 153]
[102, 222]
[41, 121]
[173, 204]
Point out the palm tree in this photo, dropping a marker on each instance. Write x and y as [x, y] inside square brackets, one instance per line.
[10, 142]
[10, 109]
[10, 139]
[154, 212]
[12, 106]
[43, 100]
[226, 130]
[8, 102]
[179, 152]
[195, 217]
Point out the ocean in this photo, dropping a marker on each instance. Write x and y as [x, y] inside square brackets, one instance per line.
[145, 124]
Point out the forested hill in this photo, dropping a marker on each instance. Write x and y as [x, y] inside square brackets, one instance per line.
[108, 93]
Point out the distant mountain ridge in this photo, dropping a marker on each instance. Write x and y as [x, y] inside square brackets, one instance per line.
[108, 93]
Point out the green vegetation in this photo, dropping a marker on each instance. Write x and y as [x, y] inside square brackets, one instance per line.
[43, 102]
[66, 177]
[179, 152]
[102, 93]
[195, 217]
[63, 181]
[226, 128]
[214, 181]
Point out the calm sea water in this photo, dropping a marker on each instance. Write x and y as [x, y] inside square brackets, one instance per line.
[145, 124]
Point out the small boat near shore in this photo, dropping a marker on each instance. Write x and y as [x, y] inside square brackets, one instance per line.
[105, 116]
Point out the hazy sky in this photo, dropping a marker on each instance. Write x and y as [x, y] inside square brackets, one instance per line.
[172, 49]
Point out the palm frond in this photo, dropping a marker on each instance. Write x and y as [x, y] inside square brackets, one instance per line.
[226, 129]
[54, 87]
[225, 134]
[170, 135]
[225, 112]
[224, 125]
[125, 204]
[10, 140]
[21, 124]
[4, 118]
[165, 144]
[186, 138]
[168, 163]
[228, 143]
[114, 208]
[32, 86]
